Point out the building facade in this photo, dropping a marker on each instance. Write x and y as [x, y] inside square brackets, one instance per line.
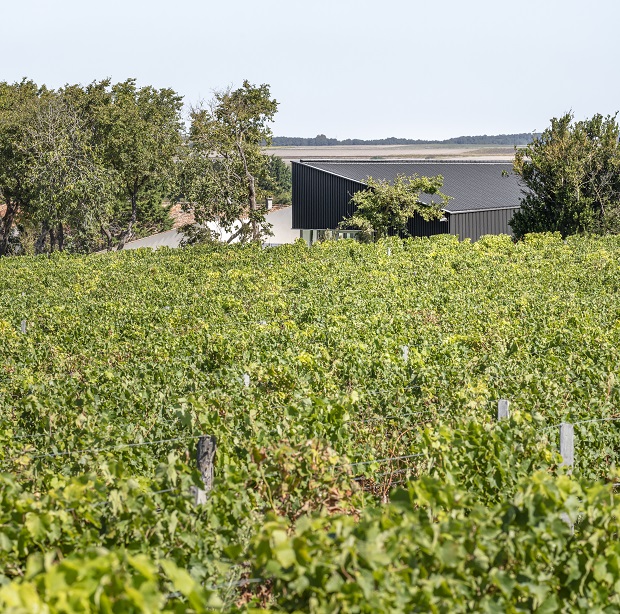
[485, 195]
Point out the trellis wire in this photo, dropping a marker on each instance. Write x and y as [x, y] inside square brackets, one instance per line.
[396, 416]
[107, 501]
[553, 426]
[217, 587]
[105, 449]
[379, 460]
[380, 475]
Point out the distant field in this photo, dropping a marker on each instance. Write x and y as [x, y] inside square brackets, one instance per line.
[379, 152]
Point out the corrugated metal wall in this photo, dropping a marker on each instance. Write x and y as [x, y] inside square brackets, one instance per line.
[477, 223]
[418, 227]
[321, 200]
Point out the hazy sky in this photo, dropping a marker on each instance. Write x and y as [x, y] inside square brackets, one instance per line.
[345, 68]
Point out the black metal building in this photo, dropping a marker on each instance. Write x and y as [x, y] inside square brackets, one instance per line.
[485, 195]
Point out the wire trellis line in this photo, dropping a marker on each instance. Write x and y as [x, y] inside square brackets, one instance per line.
[396, 416]
[383, 474]
[379, 460]
[105, 449]
[107, 501]
[245, 582]
[217, 587]
[553, 426]
[33, 436]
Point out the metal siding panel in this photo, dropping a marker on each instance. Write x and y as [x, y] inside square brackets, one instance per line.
[478, 223]
[320, 199]
[455, 224]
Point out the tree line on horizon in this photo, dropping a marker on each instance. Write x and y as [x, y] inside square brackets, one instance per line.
[523, 138]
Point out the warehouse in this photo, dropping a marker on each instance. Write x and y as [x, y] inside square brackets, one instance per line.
[485, 195]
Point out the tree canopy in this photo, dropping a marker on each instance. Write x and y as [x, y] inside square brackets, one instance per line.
[279, 181]
[142, 137]
[85, 167]
[18, 104]
[571, 178]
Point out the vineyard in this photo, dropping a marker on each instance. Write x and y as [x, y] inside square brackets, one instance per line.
[353, 392]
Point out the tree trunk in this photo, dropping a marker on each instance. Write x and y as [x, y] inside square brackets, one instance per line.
[126, 234]
[238, 232]
[108, 236]
[7, 226]
[60, 237]
[39, 244]
[253, 206]
[52, 239]
[251, 193]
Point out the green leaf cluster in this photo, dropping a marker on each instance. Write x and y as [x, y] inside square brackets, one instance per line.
[225, 170]
[85, 167]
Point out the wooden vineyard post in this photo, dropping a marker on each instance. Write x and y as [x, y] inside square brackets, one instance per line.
[205, 457]
[503, 409]
[24, 325]
[567, 450]
[567, 444]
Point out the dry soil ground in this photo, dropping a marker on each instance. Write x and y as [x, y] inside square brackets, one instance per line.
[380, 152]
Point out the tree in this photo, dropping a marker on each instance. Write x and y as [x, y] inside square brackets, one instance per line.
[70, 184]
[141, 134]
[18, 104]
[225, 162]
[82, 162]
[278, 182]
[571, 176]
[385, 206]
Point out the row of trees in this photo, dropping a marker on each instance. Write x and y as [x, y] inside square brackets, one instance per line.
[85, 168]
[320, 140]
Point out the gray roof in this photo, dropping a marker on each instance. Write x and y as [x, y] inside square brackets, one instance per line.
[473, 185]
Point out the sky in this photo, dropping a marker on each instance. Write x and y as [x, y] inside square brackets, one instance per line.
[366, 69]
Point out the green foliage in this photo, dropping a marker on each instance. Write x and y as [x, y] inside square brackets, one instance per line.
[572, 175]
[142, 138]
[278, 183]
[18, 104]
[82, 163]
[347, 477]
[225, 166]
[432, 549]
[385, 206]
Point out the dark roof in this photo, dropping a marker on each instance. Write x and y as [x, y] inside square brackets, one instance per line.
[473, 185]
